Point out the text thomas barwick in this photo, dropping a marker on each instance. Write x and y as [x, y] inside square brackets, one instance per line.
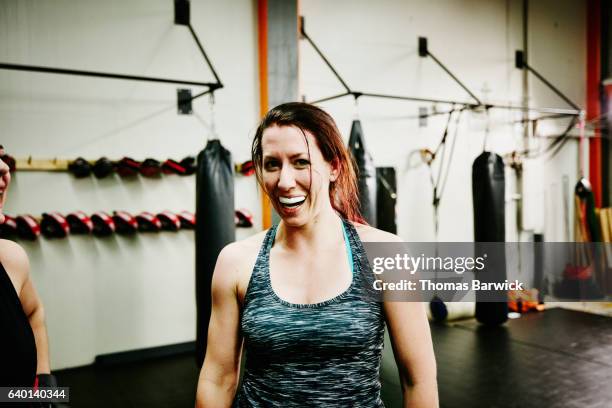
[426, 284]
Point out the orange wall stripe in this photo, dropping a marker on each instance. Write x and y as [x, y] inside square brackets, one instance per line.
[262, 42]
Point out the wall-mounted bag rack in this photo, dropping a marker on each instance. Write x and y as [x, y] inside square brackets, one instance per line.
[477, 104]
[184, 96]
[64, 165]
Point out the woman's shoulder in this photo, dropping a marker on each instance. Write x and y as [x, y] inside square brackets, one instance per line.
[368, 233]
[251, 243]
[240, 257]
[241, 254]
[15, 262]
[12, 254]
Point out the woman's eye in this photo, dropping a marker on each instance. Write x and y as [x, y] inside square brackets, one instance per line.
[302, 162]
[270, 164]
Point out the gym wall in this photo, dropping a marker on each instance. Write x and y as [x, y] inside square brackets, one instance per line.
[115, 294]
[476, 40]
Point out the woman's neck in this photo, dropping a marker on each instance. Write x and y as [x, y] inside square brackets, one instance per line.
[323, 231]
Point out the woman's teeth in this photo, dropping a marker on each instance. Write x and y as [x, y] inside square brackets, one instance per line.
[291, 201]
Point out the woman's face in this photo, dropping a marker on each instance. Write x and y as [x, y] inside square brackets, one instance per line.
[286, 173]
[5, 179]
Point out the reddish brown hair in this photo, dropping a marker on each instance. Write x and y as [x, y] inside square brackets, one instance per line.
[343, 193]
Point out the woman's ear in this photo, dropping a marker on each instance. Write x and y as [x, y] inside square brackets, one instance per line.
[335, 169]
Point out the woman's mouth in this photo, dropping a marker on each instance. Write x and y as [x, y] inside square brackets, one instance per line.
[291, 203]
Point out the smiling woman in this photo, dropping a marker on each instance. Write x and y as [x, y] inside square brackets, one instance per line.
[292, 175]
[296, 127]
[291, 295]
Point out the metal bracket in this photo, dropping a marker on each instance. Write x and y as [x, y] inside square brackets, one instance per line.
[423, 52]
[181, 12]
[184, 99]
[423, 115]
[519, 59]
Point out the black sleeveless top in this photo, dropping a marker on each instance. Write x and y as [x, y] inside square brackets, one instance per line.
[17, 346]
[325, 354]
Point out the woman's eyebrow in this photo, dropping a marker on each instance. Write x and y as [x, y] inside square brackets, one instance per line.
[293, 156]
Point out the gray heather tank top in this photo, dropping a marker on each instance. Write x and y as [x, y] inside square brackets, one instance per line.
[325, 354]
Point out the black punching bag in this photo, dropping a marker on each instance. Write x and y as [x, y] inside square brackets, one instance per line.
[488, 189]
[366, 172]
[214, 228]
[385, 199]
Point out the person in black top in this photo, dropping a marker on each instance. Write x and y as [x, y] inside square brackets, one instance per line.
[24, 350]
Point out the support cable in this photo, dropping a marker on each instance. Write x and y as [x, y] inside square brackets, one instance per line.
[210, 66]
[329, 65]
[64, 71]
[521, 63]
[424, 52]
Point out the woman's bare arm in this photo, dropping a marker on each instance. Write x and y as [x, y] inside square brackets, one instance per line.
[220, 372]
[413, 351]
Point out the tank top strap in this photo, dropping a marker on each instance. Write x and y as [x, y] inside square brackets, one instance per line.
[353, 237]
[349, 250]
[361, 263]
[263, 258]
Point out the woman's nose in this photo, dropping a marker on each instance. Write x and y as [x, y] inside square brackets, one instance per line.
[287, 179]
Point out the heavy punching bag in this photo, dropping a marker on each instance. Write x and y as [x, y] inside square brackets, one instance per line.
[488, 189]
[386, 198]
[366, 172]
[214, 228]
